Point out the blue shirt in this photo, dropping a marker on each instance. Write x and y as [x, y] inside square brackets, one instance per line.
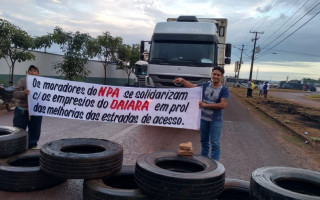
[212, 96]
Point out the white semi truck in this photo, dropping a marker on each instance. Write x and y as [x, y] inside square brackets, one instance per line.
[187, 47]
[140, 70]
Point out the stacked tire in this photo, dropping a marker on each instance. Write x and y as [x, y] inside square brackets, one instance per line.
[285, 183]
[12, 141]
[19, 167]
[235, 189]
[22, 172]
[164, 175]
[81, 158]
[120, 186]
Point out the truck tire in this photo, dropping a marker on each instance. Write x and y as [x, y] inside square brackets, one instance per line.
[120, 186]
[235, 189]
[165, 175]
[284, 183]
[22, 173]
[12, 141]
[81, 158]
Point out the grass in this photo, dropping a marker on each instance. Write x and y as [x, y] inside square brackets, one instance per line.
[315, 97]
[286, 90]
[292, 139]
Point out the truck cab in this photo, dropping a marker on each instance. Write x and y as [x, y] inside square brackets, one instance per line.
[187, 47]
[140, 70]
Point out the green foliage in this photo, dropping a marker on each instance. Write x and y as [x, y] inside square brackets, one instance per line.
[309, 80]
[66, 66]
[106, 48]
[127, 57]
[76, 53]
[44, 41]
[14, 45]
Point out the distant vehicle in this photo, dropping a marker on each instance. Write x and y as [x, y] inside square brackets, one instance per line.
[140, 70]
[287, 86]
[313, 89]
[6, 97]
[187, 47]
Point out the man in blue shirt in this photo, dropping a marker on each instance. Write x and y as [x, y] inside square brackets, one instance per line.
[214, 98]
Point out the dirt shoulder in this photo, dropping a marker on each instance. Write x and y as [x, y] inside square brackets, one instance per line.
[301, 119]
[297, 97]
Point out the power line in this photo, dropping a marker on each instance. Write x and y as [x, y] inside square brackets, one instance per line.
[255, 25]
[300, 53]
[264, 53]
[290, 27]
[284, 24]
[271, 11]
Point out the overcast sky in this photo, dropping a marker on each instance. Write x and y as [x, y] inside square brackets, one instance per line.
[297, 57]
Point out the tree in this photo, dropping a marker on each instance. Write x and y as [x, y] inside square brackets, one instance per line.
[14, 45]
[127, 57]
[106, 48]
[44, 41]
[76, 54]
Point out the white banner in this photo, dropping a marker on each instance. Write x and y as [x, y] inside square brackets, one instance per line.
[169, 107]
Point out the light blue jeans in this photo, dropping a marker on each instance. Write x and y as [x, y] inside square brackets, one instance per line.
[210, 132]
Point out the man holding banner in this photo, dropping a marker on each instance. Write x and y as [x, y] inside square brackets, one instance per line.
[214, 98]
[22, 118]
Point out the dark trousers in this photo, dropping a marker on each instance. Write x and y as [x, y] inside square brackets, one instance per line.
[249, 92]
[21, 120]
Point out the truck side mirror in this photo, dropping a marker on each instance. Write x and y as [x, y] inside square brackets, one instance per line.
[142, 50]
[227, 61]
[228, 50]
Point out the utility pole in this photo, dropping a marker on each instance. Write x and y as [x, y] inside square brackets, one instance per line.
[240, 65]
[253, 51]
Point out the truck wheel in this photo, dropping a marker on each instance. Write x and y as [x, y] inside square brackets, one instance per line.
[165, 175]
[22, 173]
[81, 158]
[235, 189]
[119, 186]
[284, 183]
[12, 141]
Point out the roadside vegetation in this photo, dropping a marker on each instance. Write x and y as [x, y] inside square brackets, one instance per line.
[315, 97]
[300, 119]
[77, 49]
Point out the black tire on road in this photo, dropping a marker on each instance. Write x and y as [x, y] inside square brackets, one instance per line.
[22, 173]
[284, 183]
[12, 141]
[164, 175]
[81, 158]
[235, 189]
[120, 186]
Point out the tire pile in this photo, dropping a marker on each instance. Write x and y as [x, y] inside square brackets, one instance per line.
[158, 175]
[19, 169]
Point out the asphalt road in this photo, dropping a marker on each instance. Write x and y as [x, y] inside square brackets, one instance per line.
[247, 143]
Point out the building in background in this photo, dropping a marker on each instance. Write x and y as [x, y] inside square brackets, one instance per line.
[46, 62]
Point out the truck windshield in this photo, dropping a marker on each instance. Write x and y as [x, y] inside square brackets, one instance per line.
[140, 69]
[187, 53]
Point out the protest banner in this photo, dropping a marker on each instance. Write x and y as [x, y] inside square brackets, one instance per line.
[169, 107]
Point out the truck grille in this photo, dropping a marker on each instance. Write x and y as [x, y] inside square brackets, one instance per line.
[166, 80]
[142, 81]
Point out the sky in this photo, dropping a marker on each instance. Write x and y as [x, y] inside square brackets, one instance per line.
[288, 36]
